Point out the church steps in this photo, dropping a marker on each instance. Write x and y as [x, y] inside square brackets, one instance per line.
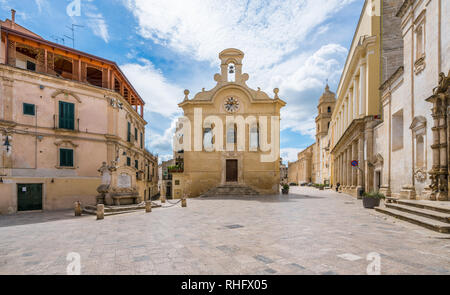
[411, 211]
[231, 190]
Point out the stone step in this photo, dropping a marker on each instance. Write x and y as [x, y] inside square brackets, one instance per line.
[443, 217]
[231, 190]
[426, 205]
[432, 224]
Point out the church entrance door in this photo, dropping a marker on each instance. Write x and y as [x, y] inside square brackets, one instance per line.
[232, 170]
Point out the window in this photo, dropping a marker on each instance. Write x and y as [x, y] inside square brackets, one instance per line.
[31, 66]
[420, 41]
[128, 131]
[94, 76]
[329, 109]
[65, 158]
[66, 115]
[207, 138]
[142, 141]
[136, 164]
[231, 134]
[397, 130]
[135, 134]
[128, 161]
[420, 151]
[29, 109]
[254, 138]
[177, 182]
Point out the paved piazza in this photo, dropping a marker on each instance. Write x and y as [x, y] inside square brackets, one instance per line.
[307, 232]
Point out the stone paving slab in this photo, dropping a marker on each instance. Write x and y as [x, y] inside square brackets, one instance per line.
[306, 232]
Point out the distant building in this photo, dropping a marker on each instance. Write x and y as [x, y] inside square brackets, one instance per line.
[283, 172]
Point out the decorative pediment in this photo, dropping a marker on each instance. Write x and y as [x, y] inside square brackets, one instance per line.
[378, 159]
[418, 123]
[66, 93]
[66, 143]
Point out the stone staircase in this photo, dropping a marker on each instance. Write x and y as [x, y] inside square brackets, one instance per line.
[431, 215]
[231, 190]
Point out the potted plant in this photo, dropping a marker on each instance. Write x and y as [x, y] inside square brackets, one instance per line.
[285, 189]
[372, 200]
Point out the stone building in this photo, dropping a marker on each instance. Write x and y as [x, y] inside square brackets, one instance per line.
[283, 172]
[62, 114]
[303, 170]
[322, 157]
[411, 144]
[375, 54]
[230, 135]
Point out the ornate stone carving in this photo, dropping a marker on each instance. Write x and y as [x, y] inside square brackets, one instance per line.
[439, 173]
[420, 175]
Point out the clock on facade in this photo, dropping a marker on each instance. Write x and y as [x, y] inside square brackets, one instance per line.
[231, 104]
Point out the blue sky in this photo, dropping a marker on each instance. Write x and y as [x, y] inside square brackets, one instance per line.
[167, 46]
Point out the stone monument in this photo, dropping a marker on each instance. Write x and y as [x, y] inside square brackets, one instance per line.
[118, 186]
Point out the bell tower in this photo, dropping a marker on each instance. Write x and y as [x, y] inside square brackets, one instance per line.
[325, 109]
[231, 67]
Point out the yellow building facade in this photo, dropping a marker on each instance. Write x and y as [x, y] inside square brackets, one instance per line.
[372, 56]
[231, 136]
[62, 114]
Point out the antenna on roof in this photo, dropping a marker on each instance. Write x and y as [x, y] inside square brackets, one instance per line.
[58, 39]
[72, 28]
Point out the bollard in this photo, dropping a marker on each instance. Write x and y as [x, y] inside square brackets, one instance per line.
[100, 211]
[78, 208]
[148, 206]
[184, 203]
[163, 199]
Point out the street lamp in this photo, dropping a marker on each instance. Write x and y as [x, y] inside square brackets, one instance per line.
[7, 144]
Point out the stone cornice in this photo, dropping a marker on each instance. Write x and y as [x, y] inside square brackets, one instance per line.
[399, 72]
[402, 11]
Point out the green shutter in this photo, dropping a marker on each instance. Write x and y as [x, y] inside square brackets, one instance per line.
[65, 158]
[66, 115]
[136, 164]
[142, 141]
[128, 161]
[129, 132]
[135, 134]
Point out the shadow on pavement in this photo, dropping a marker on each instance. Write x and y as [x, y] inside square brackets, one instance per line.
[37, 217]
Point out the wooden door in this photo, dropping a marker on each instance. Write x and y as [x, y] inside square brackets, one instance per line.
[29, 197]
[232, 170]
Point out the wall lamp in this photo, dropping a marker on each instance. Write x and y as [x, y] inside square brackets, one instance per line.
[7, 144]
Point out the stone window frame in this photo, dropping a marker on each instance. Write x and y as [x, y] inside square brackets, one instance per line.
[399, 146]
[420, 48]
[66, 144]
[419, 129]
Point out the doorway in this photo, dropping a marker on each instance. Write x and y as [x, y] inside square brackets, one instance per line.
[377, 180]
[232, 171]
[29, 197]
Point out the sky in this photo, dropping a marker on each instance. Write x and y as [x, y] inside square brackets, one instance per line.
[164, 47]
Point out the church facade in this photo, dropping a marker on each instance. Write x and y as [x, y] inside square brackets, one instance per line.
[229, 136]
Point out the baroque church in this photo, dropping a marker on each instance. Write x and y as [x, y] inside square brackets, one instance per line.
[228, 138]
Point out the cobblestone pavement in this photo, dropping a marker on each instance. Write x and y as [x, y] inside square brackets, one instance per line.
[307, 232]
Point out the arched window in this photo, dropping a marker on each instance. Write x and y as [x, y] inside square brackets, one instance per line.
[254, 137]
[231, 133]
[329, 109]
[207, 138]
[231, 73]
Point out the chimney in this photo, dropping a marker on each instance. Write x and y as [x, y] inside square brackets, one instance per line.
[13, 16]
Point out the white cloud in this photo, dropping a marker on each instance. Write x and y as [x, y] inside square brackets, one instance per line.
[98, 25]
[265, 30]
[160, 95]
[40, 4]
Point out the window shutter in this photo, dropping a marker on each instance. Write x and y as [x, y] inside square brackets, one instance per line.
[66, 115]
[129, 132]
